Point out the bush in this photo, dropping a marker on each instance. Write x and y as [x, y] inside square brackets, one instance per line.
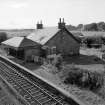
[85, 79]
[58, 62]
[96, 81]
[93, 41]
[73, 77]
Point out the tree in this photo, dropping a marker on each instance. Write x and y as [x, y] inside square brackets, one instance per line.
[3, 36]
[79, 27]
[91, 27]
[101, 26]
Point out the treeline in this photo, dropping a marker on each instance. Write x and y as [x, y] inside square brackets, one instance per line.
[88, 27]
[95, 27]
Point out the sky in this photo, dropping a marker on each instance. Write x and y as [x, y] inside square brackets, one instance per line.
[26, 13]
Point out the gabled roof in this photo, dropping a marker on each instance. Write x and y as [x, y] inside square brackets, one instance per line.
[19, 42]
[74, 35]
[42, 36]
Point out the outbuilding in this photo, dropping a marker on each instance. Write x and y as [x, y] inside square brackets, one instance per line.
[21, 47]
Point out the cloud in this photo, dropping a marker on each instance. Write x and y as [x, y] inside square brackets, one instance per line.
[18, 5]
[15, 4]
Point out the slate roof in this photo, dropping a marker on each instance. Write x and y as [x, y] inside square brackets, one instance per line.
[43, 35]
[19, 42]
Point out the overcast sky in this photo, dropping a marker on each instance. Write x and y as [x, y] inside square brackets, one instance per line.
[26, 13]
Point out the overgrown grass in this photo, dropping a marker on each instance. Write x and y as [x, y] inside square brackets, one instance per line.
[83, 78]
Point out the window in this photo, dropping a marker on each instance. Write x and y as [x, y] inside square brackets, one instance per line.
[53, 50]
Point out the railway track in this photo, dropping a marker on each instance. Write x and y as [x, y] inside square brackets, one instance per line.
[31, 92]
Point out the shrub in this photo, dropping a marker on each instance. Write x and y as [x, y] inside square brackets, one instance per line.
[93, 41]
[85, 79]
[73, 77]
[96, 81]
[58, 62]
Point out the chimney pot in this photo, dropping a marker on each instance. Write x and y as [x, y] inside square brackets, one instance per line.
[63, 20]
[39, 25]
[60, 20]
[61, 24]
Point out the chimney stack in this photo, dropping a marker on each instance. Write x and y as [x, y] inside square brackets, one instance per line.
[61, 24]
[39, 25]
[63, 20]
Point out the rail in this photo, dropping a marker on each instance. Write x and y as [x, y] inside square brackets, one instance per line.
[43, 84]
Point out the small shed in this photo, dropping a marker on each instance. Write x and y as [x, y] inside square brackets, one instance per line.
[21, 47]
